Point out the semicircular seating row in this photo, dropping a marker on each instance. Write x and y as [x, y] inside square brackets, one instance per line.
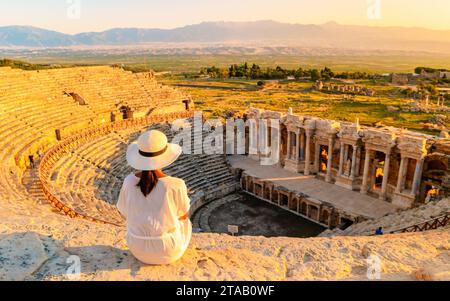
[33, 105]
[88, 178]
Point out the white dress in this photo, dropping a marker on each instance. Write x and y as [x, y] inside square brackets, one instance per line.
[155, 235]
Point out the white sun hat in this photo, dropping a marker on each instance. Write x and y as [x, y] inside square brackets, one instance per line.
[152, 151]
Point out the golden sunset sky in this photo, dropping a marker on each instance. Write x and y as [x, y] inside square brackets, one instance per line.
[98, 15]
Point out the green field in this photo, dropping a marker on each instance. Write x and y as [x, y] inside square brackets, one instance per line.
[193, 63]
[217, 97]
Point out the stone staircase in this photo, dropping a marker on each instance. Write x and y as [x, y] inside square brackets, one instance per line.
[397, 221]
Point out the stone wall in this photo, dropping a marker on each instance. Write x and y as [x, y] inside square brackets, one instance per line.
[396, 221]
[318, 211]
[53, 155]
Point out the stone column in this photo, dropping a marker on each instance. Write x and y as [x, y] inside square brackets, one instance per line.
[254, 139]
[330, 159]
[341, 159]
[402, 174]
[308, 152]
[354, 158]
[365, 181]
[297, 146]
[387, 162]
[417, 177]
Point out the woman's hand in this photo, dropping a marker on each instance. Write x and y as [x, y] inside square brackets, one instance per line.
[184, 217]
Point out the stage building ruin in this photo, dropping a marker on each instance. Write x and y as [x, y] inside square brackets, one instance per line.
[394, 165]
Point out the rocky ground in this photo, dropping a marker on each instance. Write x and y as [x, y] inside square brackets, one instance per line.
[36, 244]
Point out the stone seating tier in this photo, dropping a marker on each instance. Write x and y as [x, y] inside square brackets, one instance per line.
[88, 174]
[33, 104]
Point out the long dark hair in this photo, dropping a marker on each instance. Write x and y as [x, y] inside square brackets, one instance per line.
[148, 181]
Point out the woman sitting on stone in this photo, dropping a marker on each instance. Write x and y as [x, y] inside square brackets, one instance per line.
[155, 206]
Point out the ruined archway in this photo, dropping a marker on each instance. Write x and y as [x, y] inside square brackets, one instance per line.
[323, 158]
[293, 204]
[127, 112]
[284, 199]
[378, 171]
[325, 217]
[267, 193]
[274, 196]
[433, 177]
[303, 208]
[313, 212]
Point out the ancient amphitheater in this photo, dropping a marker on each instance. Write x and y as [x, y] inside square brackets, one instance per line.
[63, 136]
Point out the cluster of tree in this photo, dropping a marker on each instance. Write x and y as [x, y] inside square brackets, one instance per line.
[429, 89]
[355, 75]
[424, 89]
[408, 92]
[419, 70]
[441, 81]
[256, 72]
[214, 72]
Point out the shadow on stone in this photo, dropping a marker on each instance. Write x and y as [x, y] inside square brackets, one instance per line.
[31, 256]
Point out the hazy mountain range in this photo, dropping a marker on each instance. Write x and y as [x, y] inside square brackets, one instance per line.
[331, 35]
